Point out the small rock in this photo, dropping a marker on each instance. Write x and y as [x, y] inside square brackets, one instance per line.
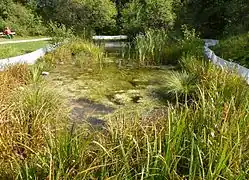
[44, 73]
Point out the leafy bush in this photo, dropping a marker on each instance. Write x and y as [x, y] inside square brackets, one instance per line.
[59, 32]
[188, 42]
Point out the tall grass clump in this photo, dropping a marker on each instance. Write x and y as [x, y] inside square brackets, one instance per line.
[28, 108]
[81, 53]
[149, 47]
[12, 78]
[180, 85]
[158, 47]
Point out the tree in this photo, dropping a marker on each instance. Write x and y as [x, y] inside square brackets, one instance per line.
[213, 18]
[83, 15]
[20, 18]
[139, 15]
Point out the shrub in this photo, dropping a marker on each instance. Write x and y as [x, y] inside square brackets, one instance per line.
[59, 32]
[187, 43]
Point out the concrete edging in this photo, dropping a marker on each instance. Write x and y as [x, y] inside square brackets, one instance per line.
[29, 58]
[242, 71]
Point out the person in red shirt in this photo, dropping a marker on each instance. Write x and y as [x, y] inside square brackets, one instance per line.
[7, 32]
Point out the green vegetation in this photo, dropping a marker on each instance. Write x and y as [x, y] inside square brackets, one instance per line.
[157, 47]
[12, 50]
[72, 53]
[234, 48]
[201, 133]
[135, 15]
[21, 19]
[157, 110]
[212, 19]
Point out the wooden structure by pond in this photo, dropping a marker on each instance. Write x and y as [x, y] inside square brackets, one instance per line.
[111, 42]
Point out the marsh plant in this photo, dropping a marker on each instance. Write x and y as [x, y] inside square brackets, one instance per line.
[205, 139]
[79, 52]
[149, 47]
[180, 85]
[158, 47]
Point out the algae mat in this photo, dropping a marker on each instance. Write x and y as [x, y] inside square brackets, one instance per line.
[98, 95]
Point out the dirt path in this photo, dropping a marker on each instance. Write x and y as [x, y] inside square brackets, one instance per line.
[23, 41]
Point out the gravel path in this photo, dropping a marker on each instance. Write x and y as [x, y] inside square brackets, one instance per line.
[22, 41]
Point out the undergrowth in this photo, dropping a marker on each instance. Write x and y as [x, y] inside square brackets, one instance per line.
[157, 47]
[79, 52]
[201, 136]
[202, 133]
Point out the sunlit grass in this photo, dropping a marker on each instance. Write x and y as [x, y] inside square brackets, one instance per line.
[12, 50]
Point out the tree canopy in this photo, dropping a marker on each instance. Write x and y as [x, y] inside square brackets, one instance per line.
[211, 18]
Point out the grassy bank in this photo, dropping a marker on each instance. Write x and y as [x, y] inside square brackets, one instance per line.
[12, 50]
[201, 134]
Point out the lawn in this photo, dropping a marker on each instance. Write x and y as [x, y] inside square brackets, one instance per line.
[12, 50]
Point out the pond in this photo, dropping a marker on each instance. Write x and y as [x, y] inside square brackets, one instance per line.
[98, 95]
